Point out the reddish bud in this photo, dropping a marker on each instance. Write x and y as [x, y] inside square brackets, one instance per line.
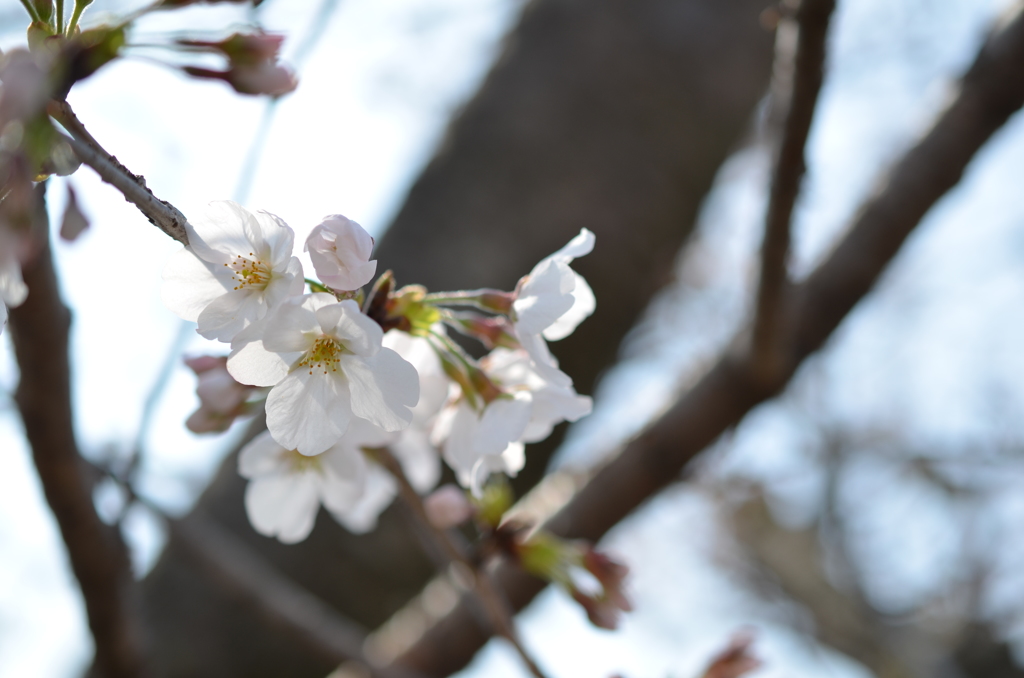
[496, 301]
[484, 387]
[221, 398]
[447, 507]
[242, 48]
[491, 331]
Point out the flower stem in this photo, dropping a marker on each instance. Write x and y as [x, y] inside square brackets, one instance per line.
[60, 17]
[80, 6]
[33, 14]
[487, 594]
[315, 286]
[454, 349]
[494, 301]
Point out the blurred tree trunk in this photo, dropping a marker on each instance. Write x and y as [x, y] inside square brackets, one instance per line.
[613, 115]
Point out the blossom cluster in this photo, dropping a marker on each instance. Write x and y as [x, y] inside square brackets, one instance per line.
[347, 373]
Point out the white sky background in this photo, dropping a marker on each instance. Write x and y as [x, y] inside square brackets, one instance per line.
[932, 349]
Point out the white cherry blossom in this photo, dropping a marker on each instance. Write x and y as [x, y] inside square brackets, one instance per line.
[340, 251]
[236, 267]
[326, 363]
[479, 442]
[286, 488]
[552, 402]
[550, 302]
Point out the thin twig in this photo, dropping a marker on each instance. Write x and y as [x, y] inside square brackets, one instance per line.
[796, 82]
[98, 557]
[161, 214]
[989, 93]
[496, 608]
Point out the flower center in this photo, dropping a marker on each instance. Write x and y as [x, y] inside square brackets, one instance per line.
[325, 354]
[300, 463]
[249, 271]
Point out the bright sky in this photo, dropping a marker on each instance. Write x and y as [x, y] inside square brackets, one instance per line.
[929, 349]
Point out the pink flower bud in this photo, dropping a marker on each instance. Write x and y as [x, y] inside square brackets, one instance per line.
[205, 363]
[340, 250]
[242, 48]
[448, 507]
[264, 78]
[221, 398]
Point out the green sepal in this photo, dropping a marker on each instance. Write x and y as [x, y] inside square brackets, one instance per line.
[497, 498]
[409, 303]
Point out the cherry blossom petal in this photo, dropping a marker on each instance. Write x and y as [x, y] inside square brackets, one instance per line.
[278, 237]
[189, 285]
[229, 314]
[290, 283]
[580, 245]
[546, 295]
[418, 457]
[283, 506]
[543, 362]
[251, 363]
[309, 412]
[13, 289]
[343, 479]
[552, 406]
[379, 491]
[346, 323]
[224, 230]
[474, 435]
[293, 326]
[433, 381]
[504, 420]
[262, 457]
[362, 433]
[510, 462]
[384, 388]
[583, 306]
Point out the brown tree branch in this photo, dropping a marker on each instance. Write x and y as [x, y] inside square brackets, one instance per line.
[796, 82]
[276, 599]
[39, 330]
[495, 608]
[989, 93]
[161, 214]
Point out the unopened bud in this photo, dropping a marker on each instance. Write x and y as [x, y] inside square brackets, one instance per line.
[496, 301]
[416, 316]
[340, 250]
[447, 507]
[269, 79]
[491, 331]
[205, 363]
[484, 386]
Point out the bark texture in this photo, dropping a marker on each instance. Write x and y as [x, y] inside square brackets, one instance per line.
[39, 331]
